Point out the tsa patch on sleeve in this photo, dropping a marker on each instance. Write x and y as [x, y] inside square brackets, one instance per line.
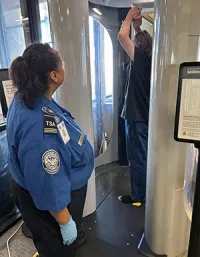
[51, 161]
[49, 125]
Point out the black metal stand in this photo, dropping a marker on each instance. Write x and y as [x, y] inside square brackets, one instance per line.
[194, 246]
[8, 221]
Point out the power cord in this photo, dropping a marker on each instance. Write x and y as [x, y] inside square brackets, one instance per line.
[7, 243]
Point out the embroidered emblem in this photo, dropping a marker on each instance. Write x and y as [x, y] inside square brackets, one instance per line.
[51, 161]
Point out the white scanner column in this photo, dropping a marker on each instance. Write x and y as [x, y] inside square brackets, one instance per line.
[176, 38]
[70, 35]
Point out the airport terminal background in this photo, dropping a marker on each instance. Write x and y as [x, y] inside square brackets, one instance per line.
[115, 229]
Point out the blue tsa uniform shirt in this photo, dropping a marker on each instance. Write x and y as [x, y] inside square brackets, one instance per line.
[49, 155]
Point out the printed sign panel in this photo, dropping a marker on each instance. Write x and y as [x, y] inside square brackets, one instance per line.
[187, 124]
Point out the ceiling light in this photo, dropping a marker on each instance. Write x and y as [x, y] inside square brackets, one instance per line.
[97, 11]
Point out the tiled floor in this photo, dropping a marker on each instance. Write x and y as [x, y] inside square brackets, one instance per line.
[113, 231]
[20, 246]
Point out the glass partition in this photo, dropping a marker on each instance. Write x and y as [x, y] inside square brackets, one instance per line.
[147, 25]
[101, 59]
[14, 30]
[44, 21]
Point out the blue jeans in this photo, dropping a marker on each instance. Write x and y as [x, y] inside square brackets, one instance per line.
[136, 142]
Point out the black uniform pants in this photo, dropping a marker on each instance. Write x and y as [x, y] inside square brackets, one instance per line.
[44, 228]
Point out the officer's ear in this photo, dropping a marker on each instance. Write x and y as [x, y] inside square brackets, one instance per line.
[53, 76]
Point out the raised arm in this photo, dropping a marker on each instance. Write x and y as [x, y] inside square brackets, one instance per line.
[134, 15]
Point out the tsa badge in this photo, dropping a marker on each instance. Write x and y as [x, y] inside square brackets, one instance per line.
[47, 111]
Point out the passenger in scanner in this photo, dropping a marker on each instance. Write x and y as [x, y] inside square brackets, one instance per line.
[50, 157]
[136, 105]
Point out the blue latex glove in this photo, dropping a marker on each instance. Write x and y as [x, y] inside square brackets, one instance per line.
[69, 232]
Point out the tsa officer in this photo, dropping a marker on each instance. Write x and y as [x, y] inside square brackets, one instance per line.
[50, 157]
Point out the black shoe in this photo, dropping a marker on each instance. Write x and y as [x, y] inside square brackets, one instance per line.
[127, 199]
[81, 239]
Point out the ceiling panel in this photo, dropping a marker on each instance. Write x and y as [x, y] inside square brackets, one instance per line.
[124, 3]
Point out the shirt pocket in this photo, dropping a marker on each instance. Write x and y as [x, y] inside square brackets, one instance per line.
[80, 151]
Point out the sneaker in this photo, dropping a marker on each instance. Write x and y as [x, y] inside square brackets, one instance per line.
[127, 199]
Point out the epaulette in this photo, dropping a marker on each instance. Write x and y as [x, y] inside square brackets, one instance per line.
[50, 126]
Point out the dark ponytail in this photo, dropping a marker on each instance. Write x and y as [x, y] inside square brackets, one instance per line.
[30, 72]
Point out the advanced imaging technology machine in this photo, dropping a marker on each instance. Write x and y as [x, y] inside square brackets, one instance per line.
[94, 92]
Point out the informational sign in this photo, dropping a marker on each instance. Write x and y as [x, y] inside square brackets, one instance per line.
[6, 91]
[187, 125]
[9, 91]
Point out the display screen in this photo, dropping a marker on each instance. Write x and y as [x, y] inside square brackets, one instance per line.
[187, 128]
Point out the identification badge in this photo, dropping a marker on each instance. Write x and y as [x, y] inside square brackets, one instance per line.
[63, 132]
[80, 142]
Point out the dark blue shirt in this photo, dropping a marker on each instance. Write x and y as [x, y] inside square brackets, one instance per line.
[49, 155]
[136, 105]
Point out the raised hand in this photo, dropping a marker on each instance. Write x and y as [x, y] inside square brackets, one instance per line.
[135, 13]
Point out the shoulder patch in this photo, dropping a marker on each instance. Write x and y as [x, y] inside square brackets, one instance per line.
[49, 124]
[51, 161]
